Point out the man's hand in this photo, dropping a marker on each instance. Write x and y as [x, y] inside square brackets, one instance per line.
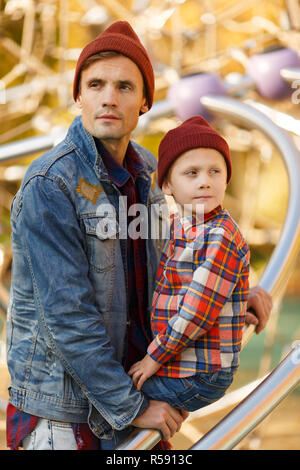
[142, 370]
[259, 307]
[162, 416]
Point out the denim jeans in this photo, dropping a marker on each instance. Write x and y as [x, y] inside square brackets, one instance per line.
[55, 435]
[50, 435]
[189, 393]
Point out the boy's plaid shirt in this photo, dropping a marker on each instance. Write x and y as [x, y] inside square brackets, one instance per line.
[199, 302]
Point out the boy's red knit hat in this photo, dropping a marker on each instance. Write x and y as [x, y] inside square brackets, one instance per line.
[119, 37]
[193, 133]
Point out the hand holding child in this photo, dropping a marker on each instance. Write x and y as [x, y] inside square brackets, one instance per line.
[142, 370]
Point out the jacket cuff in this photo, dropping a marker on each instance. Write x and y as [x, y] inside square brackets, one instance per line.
[144, 406]
[104, 430]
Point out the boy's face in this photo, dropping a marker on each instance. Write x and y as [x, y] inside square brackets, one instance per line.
[197, 177]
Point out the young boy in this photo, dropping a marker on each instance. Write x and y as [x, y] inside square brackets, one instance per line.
[201, 288]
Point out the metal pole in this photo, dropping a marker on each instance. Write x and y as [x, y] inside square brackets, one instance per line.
[140, 439]
[251, 411]
[290, 74]
[31, 145]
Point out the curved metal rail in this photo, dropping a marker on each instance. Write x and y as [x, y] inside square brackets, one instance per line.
[275, 277]
[31, 145]
[251, 411]
[289, 74]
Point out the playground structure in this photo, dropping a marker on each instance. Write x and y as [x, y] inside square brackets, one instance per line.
[255, 108]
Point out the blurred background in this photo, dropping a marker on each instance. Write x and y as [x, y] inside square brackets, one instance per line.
[197, 48]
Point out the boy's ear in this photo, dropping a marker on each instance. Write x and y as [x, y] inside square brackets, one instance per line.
[166, 188]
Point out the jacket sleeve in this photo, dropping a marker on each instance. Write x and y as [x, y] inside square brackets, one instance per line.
[217, 267]
[65, 300]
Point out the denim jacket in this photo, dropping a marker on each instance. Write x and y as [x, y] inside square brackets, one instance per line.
[67, 314]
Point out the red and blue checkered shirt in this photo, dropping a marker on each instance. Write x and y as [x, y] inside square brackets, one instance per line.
[199, 303]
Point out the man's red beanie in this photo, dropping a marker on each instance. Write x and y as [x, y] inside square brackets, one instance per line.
[119, 37]
[193, 133]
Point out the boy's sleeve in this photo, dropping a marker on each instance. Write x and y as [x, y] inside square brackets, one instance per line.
[218, 264]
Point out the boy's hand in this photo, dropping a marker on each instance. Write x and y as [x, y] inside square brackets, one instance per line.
[142, 370]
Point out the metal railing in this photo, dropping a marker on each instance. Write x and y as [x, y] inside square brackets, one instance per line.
[273, 280]
[243, 418]
[251, 411]
[31, 145]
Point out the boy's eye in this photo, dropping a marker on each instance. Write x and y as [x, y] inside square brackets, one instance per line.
[212, 171]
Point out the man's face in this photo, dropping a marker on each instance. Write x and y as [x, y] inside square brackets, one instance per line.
[111, 98]
[197, 177]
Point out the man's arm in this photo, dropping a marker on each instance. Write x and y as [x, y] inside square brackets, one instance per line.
[259, 307]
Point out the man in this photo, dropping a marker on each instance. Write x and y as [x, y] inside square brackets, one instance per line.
[80, 292]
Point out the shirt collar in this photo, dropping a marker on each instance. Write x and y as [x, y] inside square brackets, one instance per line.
[118, 173]
[191, 227]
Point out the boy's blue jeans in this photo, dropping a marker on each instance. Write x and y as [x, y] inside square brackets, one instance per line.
[189, 393]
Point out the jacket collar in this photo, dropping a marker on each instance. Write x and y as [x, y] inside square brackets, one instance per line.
[87, 148]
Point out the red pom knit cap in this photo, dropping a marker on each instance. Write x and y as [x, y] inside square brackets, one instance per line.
[119, 37]
[195, 132]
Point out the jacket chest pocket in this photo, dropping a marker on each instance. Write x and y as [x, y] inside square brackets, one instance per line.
[101, 239]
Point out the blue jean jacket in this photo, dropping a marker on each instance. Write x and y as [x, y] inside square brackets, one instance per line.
[67, 314]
